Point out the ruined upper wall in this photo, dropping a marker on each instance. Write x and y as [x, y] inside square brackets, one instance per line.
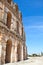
[13, 7]
[11, 16]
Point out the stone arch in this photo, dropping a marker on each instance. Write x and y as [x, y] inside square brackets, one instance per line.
[9, 16]
[9, 1]
[24, 52]
[8, 51]
[17, 27]
[19, 52]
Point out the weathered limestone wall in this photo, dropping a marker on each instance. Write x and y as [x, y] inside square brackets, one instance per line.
[12, 36]
[1, 10]
[0, 52]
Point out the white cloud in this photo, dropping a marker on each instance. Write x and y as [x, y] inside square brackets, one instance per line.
[30, 27]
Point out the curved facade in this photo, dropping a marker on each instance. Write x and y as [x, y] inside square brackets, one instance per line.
[12, 35]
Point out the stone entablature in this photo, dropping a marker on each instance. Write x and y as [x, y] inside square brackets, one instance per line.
[12, 35]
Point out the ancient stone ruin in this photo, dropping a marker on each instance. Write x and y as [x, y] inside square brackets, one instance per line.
[12, 35]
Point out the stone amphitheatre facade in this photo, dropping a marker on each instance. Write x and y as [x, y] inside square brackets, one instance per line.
[12, 35]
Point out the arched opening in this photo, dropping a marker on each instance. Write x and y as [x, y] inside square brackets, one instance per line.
[24, 52]
[19, 52]
[9, 1]
[9, 16]
[17, 27]
[8, 51]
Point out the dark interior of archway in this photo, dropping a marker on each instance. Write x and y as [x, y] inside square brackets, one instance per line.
[19, 52]
[24, 52]
[9, 1]
[9, 16]
[8, 51]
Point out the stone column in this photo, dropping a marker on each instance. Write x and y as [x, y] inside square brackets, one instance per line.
[22, 52]
[5, 17]
[15, 50]
[25, 52]
[3, 53]
[12, 52]
[0, 51]
[14, 24]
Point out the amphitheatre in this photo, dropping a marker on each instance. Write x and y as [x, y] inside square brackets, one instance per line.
[12, 35]
[13, 49]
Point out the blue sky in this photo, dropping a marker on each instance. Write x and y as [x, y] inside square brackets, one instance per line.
[32, 13]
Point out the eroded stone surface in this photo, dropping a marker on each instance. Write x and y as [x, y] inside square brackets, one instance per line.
[12, 35]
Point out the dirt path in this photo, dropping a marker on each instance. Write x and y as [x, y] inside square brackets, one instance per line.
[30, 61]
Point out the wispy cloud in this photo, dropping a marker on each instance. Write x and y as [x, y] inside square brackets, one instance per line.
[30, 27]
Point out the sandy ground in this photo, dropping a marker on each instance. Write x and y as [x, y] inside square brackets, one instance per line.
[30, 61]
